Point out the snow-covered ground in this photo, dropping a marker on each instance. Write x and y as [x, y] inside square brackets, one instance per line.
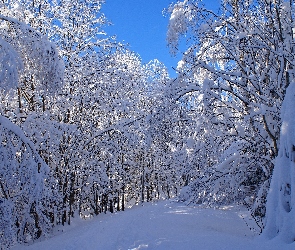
[162, 225]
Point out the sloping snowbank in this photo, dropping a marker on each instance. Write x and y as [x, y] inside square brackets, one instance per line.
[164, 225]
[280, 209]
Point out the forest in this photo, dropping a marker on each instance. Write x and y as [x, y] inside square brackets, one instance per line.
[87, 128]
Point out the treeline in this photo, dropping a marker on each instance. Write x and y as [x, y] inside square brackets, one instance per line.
[86, 128]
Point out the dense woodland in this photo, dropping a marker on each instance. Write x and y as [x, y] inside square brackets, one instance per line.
[87, 128]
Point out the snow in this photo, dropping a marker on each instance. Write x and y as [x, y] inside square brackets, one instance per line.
[10, 64]
[226, 163]
[162, 225]
[177, 23]
[7, 124]
[280, 213]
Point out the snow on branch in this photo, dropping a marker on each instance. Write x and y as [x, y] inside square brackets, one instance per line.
[27, 52]
[23, 178]
[119, 126]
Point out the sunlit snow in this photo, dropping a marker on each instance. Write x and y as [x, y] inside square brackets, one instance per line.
[163, 225]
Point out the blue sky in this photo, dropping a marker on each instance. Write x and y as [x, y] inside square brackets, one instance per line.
[141, 24]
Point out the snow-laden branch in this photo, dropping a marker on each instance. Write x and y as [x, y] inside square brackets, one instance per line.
[7, 124]
[38, 55]
[119, 126]
[21, 24]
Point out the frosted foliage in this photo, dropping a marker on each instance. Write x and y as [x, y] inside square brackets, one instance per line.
[38, 55]
[232, 61]
[22, 187]
[177, 23]
[280, 220]
[10, 65]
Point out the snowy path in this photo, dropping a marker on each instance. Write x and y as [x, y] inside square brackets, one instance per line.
[165, 225]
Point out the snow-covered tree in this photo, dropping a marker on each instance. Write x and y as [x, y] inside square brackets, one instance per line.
[242, 62]
[24, 176]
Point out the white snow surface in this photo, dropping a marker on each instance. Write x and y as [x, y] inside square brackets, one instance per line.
[162, 225]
